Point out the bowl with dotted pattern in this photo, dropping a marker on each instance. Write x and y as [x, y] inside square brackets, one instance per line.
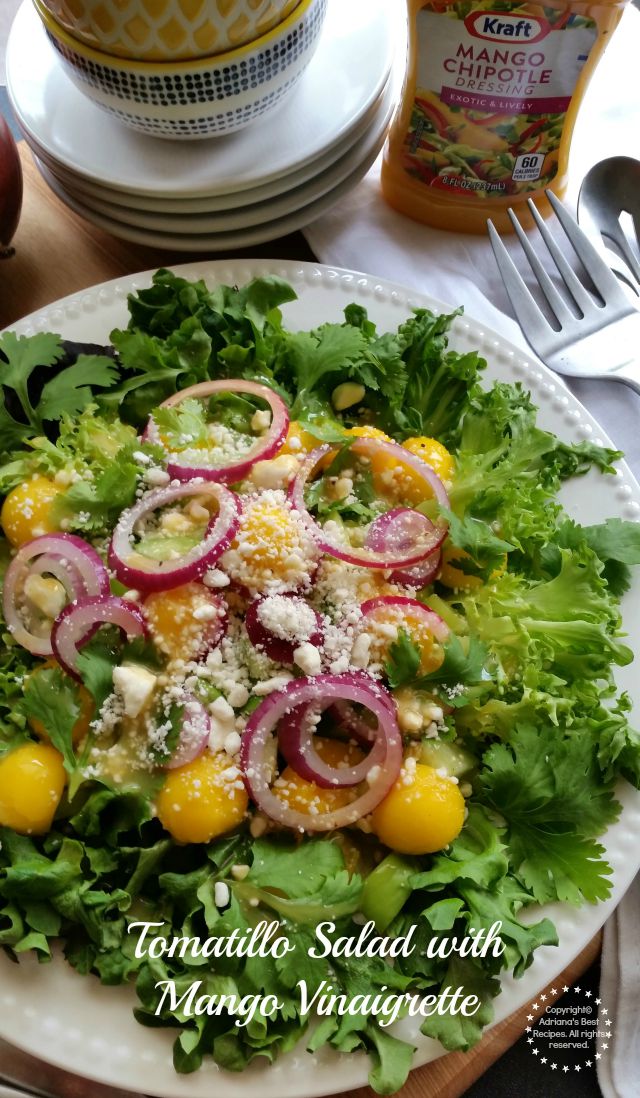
[168, 30]
[205, 97]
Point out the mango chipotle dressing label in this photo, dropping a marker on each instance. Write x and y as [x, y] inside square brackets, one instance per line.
[493, 89]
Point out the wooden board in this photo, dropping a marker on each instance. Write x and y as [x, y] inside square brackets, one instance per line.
[57, 253]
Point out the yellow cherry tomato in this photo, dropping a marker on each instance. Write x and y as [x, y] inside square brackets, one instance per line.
[27, 510]
[272, 547]
[454, 577]
[392, 478]
[87, 710]
[202, 799]
[422, 813]
[367, 431]
[32, 780]
[304, 796]
[171, 621]
[383, 625]
[298, 441]
[434, 454]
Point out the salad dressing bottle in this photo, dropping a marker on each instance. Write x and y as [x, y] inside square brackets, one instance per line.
[489, 102]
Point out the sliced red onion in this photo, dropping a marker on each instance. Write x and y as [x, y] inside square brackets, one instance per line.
[411, 607]
[320, 691]
[281, 648]
[72, 561]
[194, 733]
[296, 743]
[78, 621]
[398, 530]
[426, 541]
[421, 574]
[145, 574]
[263, 448]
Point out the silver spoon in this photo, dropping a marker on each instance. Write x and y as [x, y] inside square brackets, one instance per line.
[610, 188]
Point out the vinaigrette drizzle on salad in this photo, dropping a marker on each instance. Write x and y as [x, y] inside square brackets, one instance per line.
[298, 614]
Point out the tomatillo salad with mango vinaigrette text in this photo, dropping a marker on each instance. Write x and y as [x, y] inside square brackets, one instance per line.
[296, 632]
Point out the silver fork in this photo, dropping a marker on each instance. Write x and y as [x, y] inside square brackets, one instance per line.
[591, 340]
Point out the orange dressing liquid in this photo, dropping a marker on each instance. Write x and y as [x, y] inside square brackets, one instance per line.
[489, 103]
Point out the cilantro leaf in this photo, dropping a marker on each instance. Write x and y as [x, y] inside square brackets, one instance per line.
[53, 700]
[161, 753]
[95, 663]
[458, 1032]
[404, 660]
[334, 349]
[68, 392]
[464, 662]
[548, 788]
[476, 539]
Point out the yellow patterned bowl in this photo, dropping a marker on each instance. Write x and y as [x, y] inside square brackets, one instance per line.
[168, 30]
[205, 97]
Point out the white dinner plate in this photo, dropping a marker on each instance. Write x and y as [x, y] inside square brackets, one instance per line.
[362, 153]
[87, 189]
[84, 1027]
[344, 78]
[224, 241]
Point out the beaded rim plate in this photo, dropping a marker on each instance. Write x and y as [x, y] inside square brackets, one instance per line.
[79, 1025]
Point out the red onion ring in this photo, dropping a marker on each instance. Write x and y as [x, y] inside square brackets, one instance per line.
[78, 620]
[263, 449]
[368, 558]
[296, 743]
[321, 691]
[397, 529]
[150, 575]
[194, 734]
[421, 574]
[72, 561]
[433, 621]
[279, 648]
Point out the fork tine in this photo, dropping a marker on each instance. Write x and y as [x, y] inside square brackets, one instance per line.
[603, 279]
[531, 320]
[556, 301]
[582, 298]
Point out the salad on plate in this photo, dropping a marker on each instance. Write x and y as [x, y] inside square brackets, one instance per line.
[297, 641]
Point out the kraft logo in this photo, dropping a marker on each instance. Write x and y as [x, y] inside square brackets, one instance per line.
[501, 26]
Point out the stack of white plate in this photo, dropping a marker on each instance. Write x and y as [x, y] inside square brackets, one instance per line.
[271, 178]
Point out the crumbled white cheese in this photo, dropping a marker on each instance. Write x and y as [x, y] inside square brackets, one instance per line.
[239, 872]
[222, 711]
[232, 743]
[268, 686]
[308, 658]
[215, 578]
[238, 695]
[275, 473]
[360, 653]
[206, 612]
[156, 477]
[261, 419]
[135, 685]
[287, 618]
